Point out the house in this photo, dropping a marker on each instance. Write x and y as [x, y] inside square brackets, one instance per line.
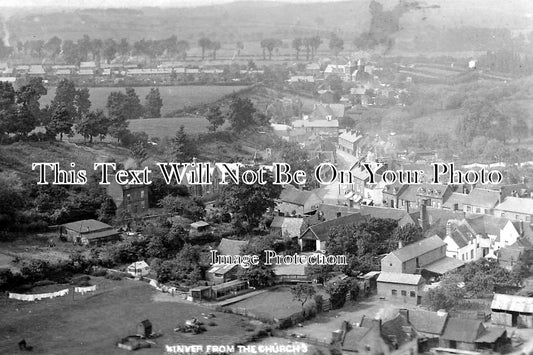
[407, 197]
[327, 112]
[391, 194]
[428, 325]
[286, 227]
[129, 198]
[138, 269]
[319, 128]
[481, 201]
[371, 191]
[343, 71]
[516, 209]
[349, 142]
[402, 217]
[88, 65]
[455, 202]
[36, 70]
[471, 335]
[512, 311]
[400, 287]
[220, 273]
[295, 202]
[500, 231]
[312, 68]
[464, 243]
[433, 195]
[314, 238]
[362, 338]
[88, 232]
[427, 255]
[231, 246]
[326, 212]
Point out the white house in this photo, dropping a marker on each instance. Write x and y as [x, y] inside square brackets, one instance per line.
[138, 269]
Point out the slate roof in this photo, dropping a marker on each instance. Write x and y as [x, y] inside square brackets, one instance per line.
[321, 230]
[444, 265]
[512, 303]
[455, 198]
[350, 137]
[461, 329]
[483, 198]
[517, 204]
[383, 212]
[398, 329]
[487, 224]
[400, 278]
[427, 322]
[409, 193]
[231, 247]
[290, 225]
[295, 196]
[413, 250]
[432, 190]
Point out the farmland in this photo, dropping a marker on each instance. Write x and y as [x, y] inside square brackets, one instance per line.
[161, 127]
[92, 324]
[174, 97]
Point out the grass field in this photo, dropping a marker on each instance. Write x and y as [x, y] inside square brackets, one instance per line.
[276, 303]
[174, 97]
[161, 127]
[92, 324]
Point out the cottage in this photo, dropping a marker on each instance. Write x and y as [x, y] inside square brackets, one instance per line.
[286, 227]
[463, 243]
[428, 325]
[515, 208]
[349, 142]
[455, 201]
[295, 202]
[138, 269]
[199, 227]
[471, 335]
[399, 287]
[315, 237]
[481, 201]
[220, 273]
[323, 128]
[391, 194]
[434, 195]
[512, 311]
[89, 232]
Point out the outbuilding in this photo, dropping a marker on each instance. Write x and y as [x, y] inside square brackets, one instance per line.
[512, 311]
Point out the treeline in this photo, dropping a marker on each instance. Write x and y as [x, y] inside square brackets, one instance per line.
[70, 112]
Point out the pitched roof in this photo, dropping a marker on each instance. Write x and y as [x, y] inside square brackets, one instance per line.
[461, 329]
[231, 246]
[512, 303]
[400, 278]
[413, 250]
[87, 226]
[351, 137]
[483, 198]
[432, 190]
[321, 230]
[427, 322]
[455, 198]
[383, 212]
[517, 204]
[397, 331]
[221, 268]
[295, 196]
[409, 193]
[316, 123]
[485, 224]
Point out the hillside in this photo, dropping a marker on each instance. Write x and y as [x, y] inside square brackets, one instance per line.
[251, 21]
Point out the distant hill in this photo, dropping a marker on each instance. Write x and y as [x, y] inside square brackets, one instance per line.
[251, 21]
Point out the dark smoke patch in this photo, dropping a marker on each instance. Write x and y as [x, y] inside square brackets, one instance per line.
[384, 24]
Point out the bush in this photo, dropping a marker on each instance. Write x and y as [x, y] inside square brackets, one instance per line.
[113, 276]
[80, 279]
[99, 272]
[212, 324]
[43, 283]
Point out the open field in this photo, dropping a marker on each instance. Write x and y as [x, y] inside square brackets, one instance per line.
[161, 127]
[276, 303]
[174, 97]
[92, 324]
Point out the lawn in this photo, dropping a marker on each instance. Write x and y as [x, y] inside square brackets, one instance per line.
[161, 127]
[92, 324]
[174, 97]
[277, 303]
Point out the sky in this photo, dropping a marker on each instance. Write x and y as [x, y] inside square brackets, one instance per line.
[123, 3]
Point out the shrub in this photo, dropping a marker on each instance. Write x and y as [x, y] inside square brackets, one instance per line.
[43, 283]
[99, 272]
[113, 276]
[212, 324]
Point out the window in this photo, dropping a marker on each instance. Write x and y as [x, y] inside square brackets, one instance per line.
[412, 294]
[478, 210]
[142, 194]
[394, 292]
[390, 264]
[468, 209]
[404, 293]
[128, 197]
[143, 206]
[527, 218]
[472, 254]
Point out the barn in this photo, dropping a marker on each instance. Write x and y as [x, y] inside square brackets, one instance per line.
[512, 311]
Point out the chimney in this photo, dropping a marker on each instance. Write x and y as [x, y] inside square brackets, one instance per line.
[194, 160]
[407, 205]
[423, 220]
[404, 312]
[501, 195]
[521, 227]
[448, 228]
[400, 244]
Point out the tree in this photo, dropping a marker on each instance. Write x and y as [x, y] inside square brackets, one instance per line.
[183, 149]
[204, 43]
[110, 49]
[215, 46]
[60, 122]
[138, 153]
[302, 293]
[182, 48]
[107, 210]
[154, 103]
[133, 107]
[215, 117]
[65, 96]
[270, 44]
[307, 43]
[407, 234]
[241, 111]
[337, 292]
[11, 199]
[248, 203]
[336, 44]
[187, 207]
[118, 124]
[314, 42]
[447, 295]
[297, 44]
[82, 103]
[53, 47]
[520, 129]
[94, 124]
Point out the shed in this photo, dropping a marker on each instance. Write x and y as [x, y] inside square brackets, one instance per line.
[144, 328]
[199, 227]
[139, 268]
[512, 311]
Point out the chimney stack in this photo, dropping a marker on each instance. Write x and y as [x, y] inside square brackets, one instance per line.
[423, 220]
[448, 228]
[521, 226]
[406, 206]
[400, 244]
[377, 324]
